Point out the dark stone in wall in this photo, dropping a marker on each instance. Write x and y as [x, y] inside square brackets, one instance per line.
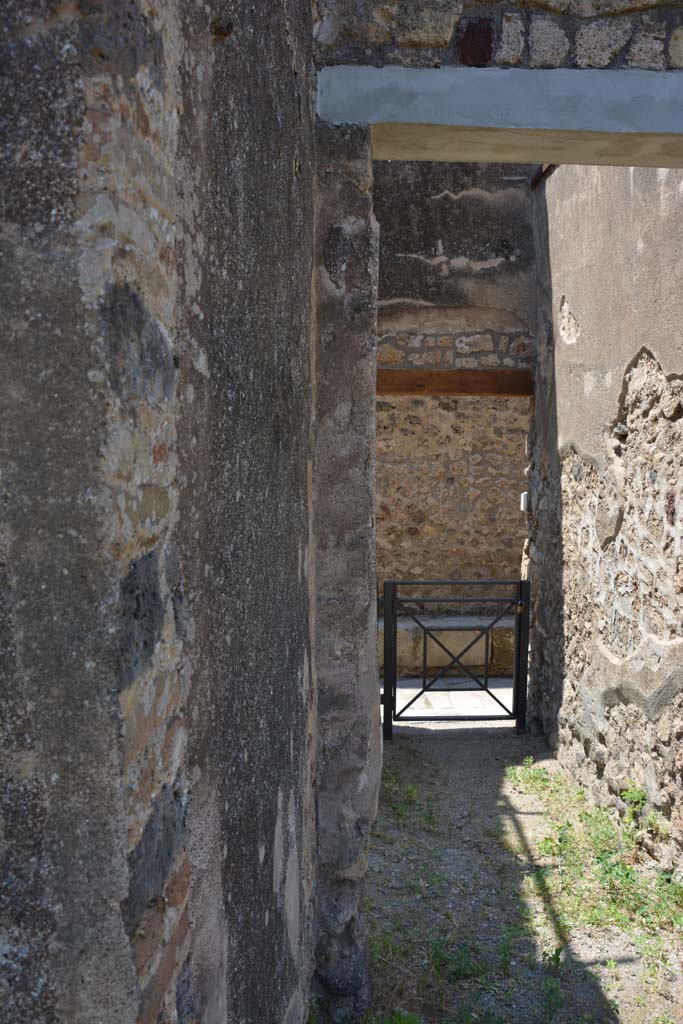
[339, 248]
[26, 990]
[119, 38]
[475, 42]
[184, 997]
[174, 582]
[142, 616]
[150, 862]
[670, 508]
[141, 362]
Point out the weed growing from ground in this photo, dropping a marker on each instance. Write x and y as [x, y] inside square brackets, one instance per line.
[529, 776]
[406, 803]
[635, 800]
[397, 1017]
[472, 1016]
[553, 961]
[553, 998]
[453, 959]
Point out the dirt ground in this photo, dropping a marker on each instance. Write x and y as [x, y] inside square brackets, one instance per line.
[463, 925]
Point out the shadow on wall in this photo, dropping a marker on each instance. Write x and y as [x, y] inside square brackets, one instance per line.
[547, 641]
[464, 926]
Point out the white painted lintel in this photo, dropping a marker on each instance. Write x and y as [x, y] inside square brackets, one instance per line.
[565, 115]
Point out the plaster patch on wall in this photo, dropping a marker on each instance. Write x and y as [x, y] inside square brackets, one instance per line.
[499, 196]
[446, 264]
[402, 300]
[286, 878]
[568, 325]
[295, 1010]
[292, 910]
[278, 841]
[445, 319]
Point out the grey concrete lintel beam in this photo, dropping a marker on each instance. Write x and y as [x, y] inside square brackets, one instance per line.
[619, 116]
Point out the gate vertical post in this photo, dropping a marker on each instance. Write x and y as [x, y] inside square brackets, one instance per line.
[389, 700]
[522, 654]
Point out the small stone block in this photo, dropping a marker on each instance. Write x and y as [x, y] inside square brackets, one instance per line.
[599, 43]
[676, 48]
[512, 40]
[548, 43]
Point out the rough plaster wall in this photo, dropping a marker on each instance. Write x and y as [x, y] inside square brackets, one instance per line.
[449, 475]
[348, 764]
[247, 499]
[457, 236]
[457, 289]
[501, 33]
[606, 555]
[156, 518]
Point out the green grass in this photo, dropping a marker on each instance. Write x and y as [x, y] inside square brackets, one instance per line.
[406, 803]
[596, 877]
[430, 969]
[529, 777]
[430, 964]
[453, 960]
[468, 1015]
[553, 997]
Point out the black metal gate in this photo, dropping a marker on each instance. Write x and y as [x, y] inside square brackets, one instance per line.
[507, 609]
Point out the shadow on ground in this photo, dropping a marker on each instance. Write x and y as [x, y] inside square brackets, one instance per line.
[463, 926]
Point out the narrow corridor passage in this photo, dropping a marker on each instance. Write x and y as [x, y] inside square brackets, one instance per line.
[497, 895]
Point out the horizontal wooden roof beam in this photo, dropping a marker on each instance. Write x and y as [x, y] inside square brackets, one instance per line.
[455, 382]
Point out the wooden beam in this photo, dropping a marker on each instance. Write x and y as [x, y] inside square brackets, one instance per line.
[455, 382]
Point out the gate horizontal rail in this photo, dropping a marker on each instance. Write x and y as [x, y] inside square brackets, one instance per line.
[517, 601]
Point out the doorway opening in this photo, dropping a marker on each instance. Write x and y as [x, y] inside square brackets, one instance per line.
[456, 309]
[480, 828]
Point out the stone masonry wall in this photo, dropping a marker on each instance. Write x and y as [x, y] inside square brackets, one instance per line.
[156, 513]
[607, 530]
[449, 475]
[501, 33]
[417, 339]
[456, 291]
